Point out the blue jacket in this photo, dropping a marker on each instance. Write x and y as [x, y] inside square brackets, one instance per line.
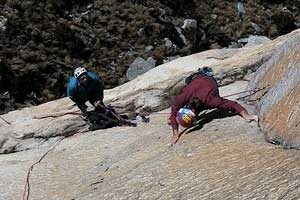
[91, 92]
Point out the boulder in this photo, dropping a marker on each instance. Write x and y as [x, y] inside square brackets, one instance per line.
[189, 24]
[139, 66]
[253, 40]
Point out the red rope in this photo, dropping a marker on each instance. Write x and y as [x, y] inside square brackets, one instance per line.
[26, 192]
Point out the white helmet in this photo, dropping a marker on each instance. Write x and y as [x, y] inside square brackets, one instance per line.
[79, 71]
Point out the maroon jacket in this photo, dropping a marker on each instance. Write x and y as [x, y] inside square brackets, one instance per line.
[206, 90]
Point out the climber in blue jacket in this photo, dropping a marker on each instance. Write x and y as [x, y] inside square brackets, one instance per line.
[85, 86]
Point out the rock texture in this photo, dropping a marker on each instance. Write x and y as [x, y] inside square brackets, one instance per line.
[279, 104]
[26, 132]
[226, 159]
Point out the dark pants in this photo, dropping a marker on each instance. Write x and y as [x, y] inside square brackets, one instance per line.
[100, 120]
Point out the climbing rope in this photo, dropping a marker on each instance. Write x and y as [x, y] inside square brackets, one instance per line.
[251, 92]
[5, 120]
[59, 114]
[26, 192]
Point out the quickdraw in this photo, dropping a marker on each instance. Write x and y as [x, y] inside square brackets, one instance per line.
[253, 91]
[265, 89]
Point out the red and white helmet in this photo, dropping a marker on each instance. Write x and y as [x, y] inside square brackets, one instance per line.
[185, 117]
[79, 71]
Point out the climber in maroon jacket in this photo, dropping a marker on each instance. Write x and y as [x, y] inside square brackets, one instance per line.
[200, 94]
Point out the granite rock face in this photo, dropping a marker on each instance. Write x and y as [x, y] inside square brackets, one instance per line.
[279, 104]
[24, 131]
[225, 159]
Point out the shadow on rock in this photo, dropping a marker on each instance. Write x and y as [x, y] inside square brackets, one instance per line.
[206, 118]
